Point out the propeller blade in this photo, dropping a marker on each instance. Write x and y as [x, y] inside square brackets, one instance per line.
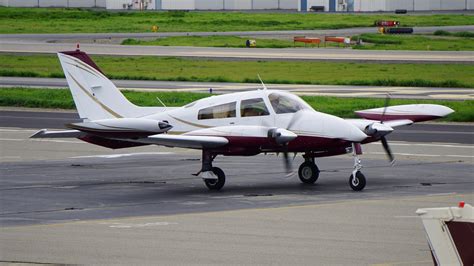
[293, 120]
[288, 166]
[387, 102]
[387, 149]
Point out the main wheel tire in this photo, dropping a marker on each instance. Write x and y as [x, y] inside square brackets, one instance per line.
[357, 183]
[216, 184]
[308, 172]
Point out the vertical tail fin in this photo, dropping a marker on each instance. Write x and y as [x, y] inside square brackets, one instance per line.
[95, 96]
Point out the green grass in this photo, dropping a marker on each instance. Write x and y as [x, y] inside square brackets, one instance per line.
[465, 34]
[286, 72]
[58, 20]
[213, 41]
[415, 42]
[371, 42]
[343, 107]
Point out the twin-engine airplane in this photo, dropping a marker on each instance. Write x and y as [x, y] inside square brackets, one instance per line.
[235, 124]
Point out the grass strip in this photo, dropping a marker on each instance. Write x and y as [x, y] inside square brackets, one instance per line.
[465, 34]
[343, 107]
[213, 41]
[415, 42]
[283, 72]
[371, 42]
[73, 20]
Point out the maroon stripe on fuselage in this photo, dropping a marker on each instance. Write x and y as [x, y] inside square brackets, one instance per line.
[84, 58]
[388, 117]
[463, 237]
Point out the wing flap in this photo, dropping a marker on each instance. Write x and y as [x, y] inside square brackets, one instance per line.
[185, 141]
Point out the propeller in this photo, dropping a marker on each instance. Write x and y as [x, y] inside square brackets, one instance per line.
[387, 102]
[387, 149]
[283, 136]
[384, 141]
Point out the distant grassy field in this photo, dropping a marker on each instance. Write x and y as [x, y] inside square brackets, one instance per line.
[57, 20]
[343, 107]
[289, 72]
[417, 42]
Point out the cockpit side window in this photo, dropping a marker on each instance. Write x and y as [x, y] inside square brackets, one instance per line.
[219, 111]
[253, 107]
[283, 104]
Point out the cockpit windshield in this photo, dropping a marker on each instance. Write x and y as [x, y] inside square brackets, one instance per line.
[283, 104]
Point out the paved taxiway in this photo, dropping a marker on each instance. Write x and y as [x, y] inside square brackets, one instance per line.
[64, 201]
[328, 90]
[331, 54]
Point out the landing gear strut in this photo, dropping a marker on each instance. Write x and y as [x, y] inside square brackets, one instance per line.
[308, 171]
[213, 177]
[357, 179]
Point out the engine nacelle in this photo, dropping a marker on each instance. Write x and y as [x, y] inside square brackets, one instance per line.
[123, 127]
[377, 129]
[281, 135]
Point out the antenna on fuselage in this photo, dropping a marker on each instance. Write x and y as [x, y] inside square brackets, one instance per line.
[263, 84]
[164, 105]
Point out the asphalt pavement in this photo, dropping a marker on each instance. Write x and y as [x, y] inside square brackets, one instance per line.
[64, 201]
[329, 54]
[420, 132]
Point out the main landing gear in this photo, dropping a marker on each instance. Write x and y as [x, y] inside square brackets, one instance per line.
[213, 177]
[309, 171]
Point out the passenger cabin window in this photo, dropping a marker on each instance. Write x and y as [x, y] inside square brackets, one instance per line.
[283, 104]
[219, 111]
[253, 107]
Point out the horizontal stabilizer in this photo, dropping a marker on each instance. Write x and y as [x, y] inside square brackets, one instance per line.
[44, 133]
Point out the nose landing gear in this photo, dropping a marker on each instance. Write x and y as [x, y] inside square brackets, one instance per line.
[357, 179]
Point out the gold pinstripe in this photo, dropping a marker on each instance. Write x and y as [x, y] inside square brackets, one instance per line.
[106, 108]
[190, 123]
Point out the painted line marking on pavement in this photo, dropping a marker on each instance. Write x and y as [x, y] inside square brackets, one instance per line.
[426, 155]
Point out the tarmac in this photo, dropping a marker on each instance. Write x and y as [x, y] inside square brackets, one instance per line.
[68, 202]
[306, 54]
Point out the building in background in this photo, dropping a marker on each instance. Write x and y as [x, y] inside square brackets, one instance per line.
[300, 5]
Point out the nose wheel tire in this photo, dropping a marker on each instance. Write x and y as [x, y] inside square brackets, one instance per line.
[358, 182]
[216, 184]
[308, 172]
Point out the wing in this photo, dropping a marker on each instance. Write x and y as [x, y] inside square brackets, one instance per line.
[413, 112]
[362, 124]
[184, 141]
